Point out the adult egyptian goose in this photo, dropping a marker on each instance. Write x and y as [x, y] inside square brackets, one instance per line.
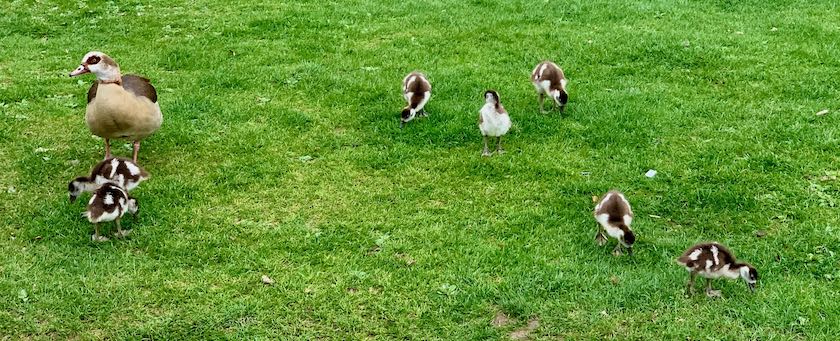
[614, 217]
[119, 107]
[712, 260]
[416, 90]
[122, 172]
[549, 79]
[109, 203]
[493, 121]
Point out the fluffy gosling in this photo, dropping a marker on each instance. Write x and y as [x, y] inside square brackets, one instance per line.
[109, 203]
[416, 90]
[549, 79]
[493, 121]
[712, 260]
[125, 173]
[614, 217]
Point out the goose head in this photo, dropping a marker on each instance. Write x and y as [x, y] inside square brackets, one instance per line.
[99, 64]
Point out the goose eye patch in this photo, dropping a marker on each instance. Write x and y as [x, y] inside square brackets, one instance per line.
[93, 60]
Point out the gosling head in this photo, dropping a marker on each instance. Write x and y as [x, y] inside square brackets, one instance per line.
[78, 186]
[750, 275]
[560, 97]
[132, 206]
[491, 97]
[627, 239]
[408, 114]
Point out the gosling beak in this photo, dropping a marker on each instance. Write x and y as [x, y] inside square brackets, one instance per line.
[402, 124]
[751, 286]
[629, 250]
[72, 198]
[81, 70]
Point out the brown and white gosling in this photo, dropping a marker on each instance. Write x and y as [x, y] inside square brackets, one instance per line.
[109, 203]
[712, 260]
[119, 107]
[122, 172]
[614, 217]
[416, 90]
[549, 79]
[493, 121]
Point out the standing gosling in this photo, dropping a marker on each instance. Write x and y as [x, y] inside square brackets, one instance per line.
[549, 79]
[125, 173]
[614, 216]
[712, 260]
[493, 121]
[109, 203]
[416, 90]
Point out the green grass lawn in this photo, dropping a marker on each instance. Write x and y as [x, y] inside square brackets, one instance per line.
[281, 155]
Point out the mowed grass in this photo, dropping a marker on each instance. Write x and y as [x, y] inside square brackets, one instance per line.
[281, 155]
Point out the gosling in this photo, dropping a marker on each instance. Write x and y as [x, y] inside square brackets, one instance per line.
[109, 203]
[125, 173]
[549, 79]
[416, 90]
[712, 260]
[493, 121]
[614, 217]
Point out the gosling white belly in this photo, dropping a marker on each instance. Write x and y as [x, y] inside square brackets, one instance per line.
[543, 87]
[493, 124]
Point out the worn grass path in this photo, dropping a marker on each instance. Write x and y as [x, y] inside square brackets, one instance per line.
[280, 154]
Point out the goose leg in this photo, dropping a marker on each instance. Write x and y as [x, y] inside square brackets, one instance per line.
[486, 151]
[542, 99]
[107, 148]
[499, 148]
[136, 150]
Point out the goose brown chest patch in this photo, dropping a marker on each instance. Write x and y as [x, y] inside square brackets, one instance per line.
[139, 86]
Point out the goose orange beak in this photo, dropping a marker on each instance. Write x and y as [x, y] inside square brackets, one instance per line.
[81, 70]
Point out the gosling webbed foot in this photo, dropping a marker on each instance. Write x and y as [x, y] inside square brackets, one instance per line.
[601, 239]
[98, 238]
[122, 234]
[712, 293]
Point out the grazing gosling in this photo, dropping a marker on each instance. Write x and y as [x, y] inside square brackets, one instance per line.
[109, 203]
[712, 260]
[549, 79]
[125, 173]
[493, 121]
[614, 216]
[416, 90]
